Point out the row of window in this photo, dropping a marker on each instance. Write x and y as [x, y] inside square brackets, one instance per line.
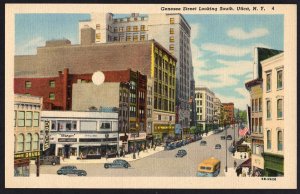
[279, 108]
[163, 104]
[256, 105]
[279, 138]
[26, 119]
[28, 84]
[159, 118]
[279, 80]
[26, 143]
[257, 125]
[71, 125]
[129, 19]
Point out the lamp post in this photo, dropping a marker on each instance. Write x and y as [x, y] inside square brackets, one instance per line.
[226, 143]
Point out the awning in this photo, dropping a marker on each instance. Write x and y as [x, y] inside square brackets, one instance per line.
[246, 163]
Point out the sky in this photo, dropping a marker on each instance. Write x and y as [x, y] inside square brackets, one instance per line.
[222, 45]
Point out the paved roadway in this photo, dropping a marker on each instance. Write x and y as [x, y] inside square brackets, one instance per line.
[163, 163]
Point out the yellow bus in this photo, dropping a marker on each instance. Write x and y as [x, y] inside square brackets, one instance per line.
[209, 168]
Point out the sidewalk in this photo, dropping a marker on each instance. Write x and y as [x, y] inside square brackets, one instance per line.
[128, 157]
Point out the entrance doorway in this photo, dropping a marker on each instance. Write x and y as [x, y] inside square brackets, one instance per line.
[67, 151]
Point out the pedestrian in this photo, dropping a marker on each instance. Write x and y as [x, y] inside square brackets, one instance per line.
[234, 164]
[63, 157]
[81, 155]
[106, 155]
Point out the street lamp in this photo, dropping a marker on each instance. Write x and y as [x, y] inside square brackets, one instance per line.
[226, 144]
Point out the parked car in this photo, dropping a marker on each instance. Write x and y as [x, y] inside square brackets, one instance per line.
[181, 153]
[218, 146]
[178, 144]
[203, 143]
[117, 164]
[229, 137]
[223, 137]
[71, 170]
[49, 160]
[184, 142]
[171, 146]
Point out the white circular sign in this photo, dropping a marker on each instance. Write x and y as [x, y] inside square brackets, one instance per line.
[98, 78]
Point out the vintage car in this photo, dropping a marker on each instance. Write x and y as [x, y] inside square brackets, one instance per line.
[117, 164]
[49, 160]
[218, 146]
[229, 137]
[71, 170]
[203, 143]
[181, 153]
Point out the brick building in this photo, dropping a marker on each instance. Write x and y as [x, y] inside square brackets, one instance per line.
[147, 57]
[229, 110]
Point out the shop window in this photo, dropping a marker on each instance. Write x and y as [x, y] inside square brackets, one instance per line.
[20, 143]
[279, 141]
[28, 84]
[21, 119]
[35, 142]
[28, 121]
[52, 84]
[36, 119]
[28, 142]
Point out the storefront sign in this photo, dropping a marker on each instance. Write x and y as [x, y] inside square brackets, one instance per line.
[136, 136]
[242, 148]
[27, 154]
[67, 135]
[67, 139]
[46, 138]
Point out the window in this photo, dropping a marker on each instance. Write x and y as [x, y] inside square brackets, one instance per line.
[268, 109]
[35, 142]
[98, 36]
[53, 125]
[128, 38]
[52, 96]
[143, 28]
[128, 28]
[171, 47]
[256, 105]
[268, 139]
[36, 117]
[135, 28]
[21, 119]
[159, 117]
[171, 38]
[259, 105]
[27, 84]
[52, 84]
[121, 29]
[15, 118]
[28, 122]
[28, 142]
[279, 79]
[279, 141]
[260, 125]
[135, 38]
[170, 118]
[279, 108]
[115, 29]
[106, 125]
[171, 30]
[142, 37]
[20, 142]
[97, 26]
[172, 21]
[268, 82]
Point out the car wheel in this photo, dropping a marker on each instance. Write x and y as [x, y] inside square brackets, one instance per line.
[59, 173]
[106, 166]
[125, 165]
[53, 163]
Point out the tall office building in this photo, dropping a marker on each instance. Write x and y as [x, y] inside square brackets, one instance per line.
[172, 31]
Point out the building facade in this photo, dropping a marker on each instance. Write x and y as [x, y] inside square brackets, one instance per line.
[147, 57]
[273, 115]
[229, 112]
[171, 30]
[75, 134]
[204, 107]
[257, 135]
[217, 110]
[27, 111]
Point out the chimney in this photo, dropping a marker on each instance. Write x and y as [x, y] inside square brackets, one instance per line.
[87, 36]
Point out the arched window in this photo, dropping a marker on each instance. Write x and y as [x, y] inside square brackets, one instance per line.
[35, 142]
[268, 139]
[20, 143]
[28, 142]
[279, 141]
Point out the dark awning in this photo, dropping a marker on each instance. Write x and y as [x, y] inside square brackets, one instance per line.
[246, 163]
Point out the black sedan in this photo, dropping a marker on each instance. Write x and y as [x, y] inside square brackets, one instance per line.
[222, 137]
[181, 153]
[218, 146]
[117, 164]
[229, 137]
[203, 143]
[71, 170]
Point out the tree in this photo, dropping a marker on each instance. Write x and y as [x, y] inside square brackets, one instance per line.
[193, 130]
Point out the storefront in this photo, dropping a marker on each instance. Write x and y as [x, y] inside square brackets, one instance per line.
[162, 132]
[22, 161]
[273, 165]
[136, 141]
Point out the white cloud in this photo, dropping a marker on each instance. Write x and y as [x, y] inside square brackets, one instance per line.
[240, 34]
[195, 33]
[30, 46]
[244, 92]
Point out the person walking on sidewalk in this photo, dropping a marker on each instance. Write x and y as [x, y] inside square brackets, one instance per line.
[234, 164]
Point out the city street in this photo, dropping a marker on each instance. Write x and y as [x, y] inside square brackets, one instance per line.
[163, 163]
